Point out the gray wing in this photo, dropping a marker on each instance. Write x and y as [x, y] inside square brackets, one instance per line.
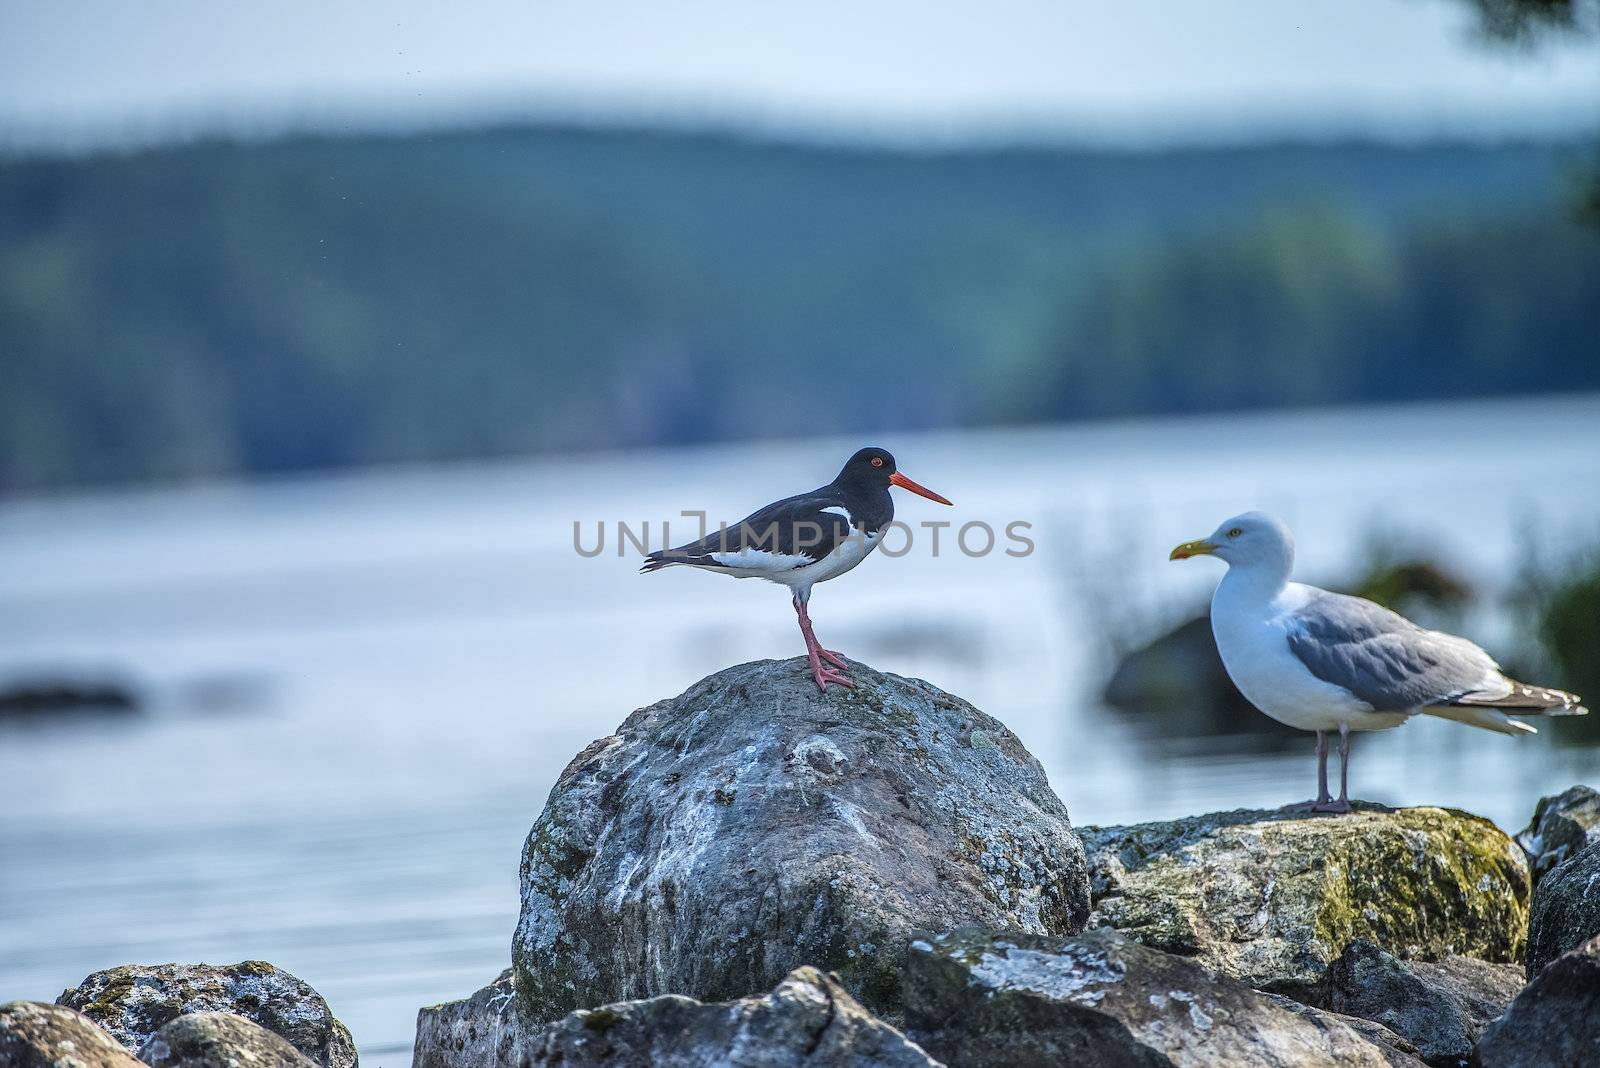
[1383, 658]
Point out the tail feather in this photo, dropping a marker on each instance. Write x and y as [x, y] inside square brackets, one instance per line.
[1527, 700]
[1490, 719]
[655, 562]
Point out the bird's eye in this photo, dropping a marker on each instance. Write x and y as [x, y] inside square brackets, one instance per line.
[877, 461]
[1235, 532]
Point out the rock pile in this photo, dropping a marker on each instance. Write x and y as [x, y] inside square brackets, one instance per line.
[758, 874]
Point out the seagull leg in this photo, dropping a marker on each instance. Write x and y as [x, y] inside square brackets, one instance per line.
[822, 673]
[1322, 780]
[1343, 804]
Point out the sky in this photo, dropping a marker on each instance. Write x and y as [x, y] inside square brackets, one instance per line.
[87, 72]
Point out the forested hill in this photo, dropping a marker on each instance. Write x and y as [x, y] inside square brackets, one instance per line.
[316, 301]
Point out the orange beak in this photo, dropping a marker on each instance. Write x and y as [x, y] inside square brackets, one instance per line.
[897, 479]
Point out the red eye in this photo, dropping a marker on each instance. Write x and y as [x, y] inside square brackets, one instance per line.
[877, 461]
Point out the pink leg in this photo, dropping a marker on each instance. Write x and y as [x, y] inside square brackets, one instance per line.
[815, 653]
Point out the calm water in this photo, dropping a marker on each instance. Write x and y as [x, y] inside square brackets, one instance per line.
[361, 688]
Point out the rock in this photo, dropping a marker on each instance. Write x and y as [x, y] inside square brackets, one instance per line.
[41, 696]
[1396, 1049]
[482, 1031]
[809, 1020]
[1441, 1006]
[134, 1001]
[36, 1035]
[1566, 908]
[752, 825]
[219, 1040]
[976, 998]
[1561, 826]
[1274, 899]
[1554, 1022]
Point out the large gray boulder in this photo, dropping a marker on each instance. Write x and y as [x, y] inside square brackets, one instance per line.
[1561, 825]
[135, 1001]
[1554, 1022]
[1273, 899]
[482, 1031]
[219, 1040]
[36, 1035]
[1400, 1052]
[809, 1021]
[977, 999]
[752, 825]
[1441, 1007]
[1566, 908]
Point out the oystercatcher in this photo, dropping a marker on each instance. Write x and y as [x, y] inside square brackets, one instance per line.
[803, 540]
[1326, 662]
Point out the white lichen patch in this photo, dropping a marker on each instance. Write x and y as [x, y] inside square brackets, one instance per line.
[1073, 974]
[818, 755]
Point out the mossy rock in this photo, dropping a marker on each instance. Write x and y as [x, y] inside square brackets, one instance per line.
[1274, 899]
[36, 1035]
[134, 1001]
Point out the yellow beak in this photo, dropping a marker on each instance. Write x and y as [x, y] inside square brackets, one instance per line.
[1193, 548]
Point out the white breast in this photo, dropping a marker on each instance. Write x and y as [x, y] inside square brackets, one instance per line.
[1253, 640]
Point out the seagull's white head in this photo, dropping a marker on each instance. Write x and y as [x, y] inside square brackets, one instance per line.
[1253, 539]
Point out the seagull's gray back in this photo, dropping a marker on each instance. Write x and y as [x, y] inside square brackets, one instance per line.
[1383, 658]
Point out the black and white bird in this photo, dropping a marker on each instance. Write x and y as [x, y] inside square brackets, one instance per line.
[1325, 662]
[806, 539]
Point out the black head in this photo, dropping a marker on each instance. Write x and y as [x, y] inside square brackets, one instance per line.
[874, 470]
[868, 467]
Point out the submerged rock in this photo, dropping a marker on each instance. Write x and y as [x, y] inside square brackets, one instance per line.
[1554, 1022]
[809, 1020]
[36, 1035]
[482, 1031]
[134, 1001]
[1274, 899]
[1562, 825]
[1441, 1006]
[31, 697]
[725, 837]
[1566, 908]
[219, 1040]
[1177, 686]
[1018, 1001]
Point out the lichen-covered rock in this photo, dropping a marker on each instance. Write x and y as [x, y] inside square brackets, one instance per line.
[219, 1040]
[1561, 826]
[987, 1000]
[809, 1021]
[483, 1031]
[1554, 1022]
[752, 825]
[1273, 899]
[1440, 1006]
[1566, 908]
[36, 1035]
[1400, 1052]
[135, 1001]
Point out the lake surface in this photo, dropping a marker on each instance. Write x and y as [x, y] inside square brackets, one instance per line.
[360, 688]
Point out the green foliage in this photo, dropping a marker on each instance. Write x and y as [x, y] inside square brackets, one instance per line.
[1570, 629]
[217, 308]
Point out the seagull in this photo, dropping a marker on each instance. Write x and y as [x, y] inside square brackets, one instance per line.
[806, 539]
[1324, 661]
